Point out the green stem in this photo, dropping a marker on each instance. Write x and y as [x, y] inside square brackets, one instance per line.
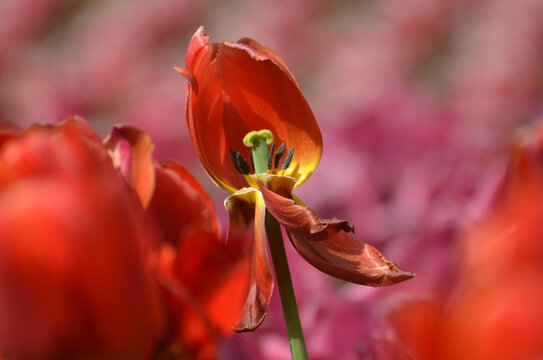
[286, 291]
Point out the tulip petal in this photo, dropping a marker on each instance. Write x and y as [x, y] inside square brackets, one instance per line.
[131, 151]
[81, 149]
[198, 42]
[327, 244]
[266, 97]
[247, 211]
[206, 306]
[73, 255]
[179, 205]
[264, 52]
[7, 131]
[211, 117]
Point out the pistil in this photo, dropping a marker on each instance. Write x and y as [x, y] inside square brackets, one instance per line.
[258, 141]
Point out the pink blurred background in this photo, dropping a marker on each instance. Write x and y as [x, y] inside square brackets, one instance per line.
[416, 100]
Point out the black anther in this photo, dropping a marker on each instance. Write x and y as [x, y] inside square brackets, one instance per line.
[280, 152]
[288, 159]
[270, 156]
[239, 162]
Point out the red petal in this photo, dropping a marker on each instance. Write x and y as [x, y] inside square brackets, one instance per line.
[73, 252]
[180, 206]
[211, 117]
[131, 151]
[264, 52]
[325, 244]
[417, 328]
[7, 131]
[255, 91]
[198, 42]
[246, 209]
[81, 152]
[204, 307]
[266, 97]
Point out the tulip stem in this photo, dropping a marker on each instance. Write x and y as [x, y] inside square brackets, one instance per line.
[286, 291]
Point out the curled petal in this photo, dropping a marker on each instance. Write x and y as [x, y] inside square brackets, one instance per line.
[300, 217]
[343, 256]
[189, 76]
[131, 151]
[328, 245]
[247, 211]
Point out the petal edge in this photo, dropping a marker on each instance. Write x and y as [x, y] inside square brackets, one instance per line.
[327, 244]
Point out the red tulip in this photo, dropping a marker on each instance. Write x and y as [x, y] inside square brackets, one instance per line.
[242, 87]
[105, 253]
[205, 280]
[73, 275]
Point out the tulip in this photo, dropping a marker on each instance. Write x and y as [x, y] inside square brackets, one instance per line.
[100, 245]
[205, 280]
[73, 277]
[242, 94]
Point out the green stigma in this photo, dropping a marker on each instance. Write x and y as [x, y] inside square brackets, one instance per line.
[259, 141]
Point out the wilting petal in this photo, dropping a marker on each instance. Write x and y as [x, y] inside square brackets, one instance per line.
[300, 217]
[327, 243]
[247, 211]
[179, 205]
[204, 307]
[266, 97]
[131, 151]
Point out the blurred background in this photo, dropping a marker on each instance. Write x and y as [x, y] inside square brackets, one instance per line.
[417, 101]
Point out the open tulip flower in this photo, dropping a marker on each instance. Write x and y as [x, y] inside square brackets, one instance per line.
[257, 138]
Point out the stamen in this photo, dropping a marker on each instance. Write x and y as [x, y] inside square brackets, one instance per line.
[239, 162]
[288, 159]
[270, 156]
[280, 152]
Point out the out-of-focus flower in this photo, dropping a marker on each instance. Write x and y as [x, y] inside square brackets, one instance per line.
[494, 312]
[100, 247]
[206, 281]
[73, 276]
[239, 88]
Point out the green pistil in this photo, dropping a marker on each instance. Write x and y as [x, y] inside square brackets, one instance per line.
[259, 141]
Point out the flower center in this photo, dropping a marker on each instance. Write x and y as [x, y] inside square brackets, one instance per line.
[262, 158]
